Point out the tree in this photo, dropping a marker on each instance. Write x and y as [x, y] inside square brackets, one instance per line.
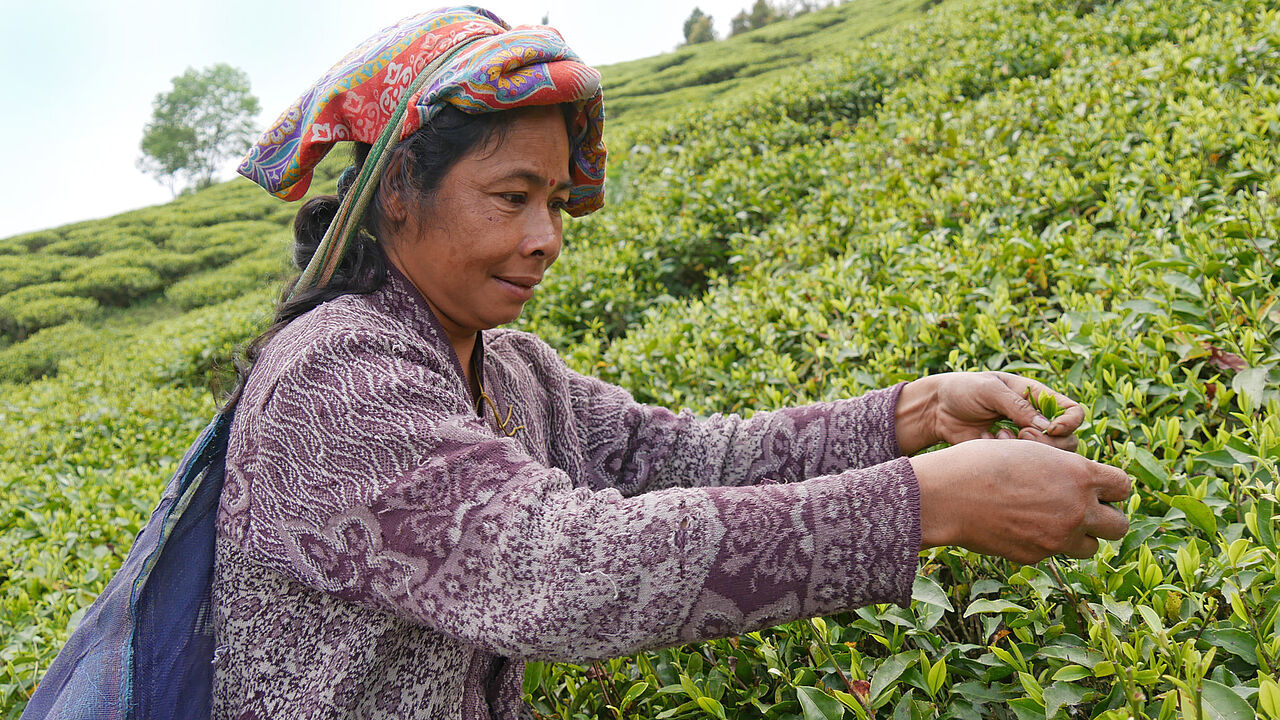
[204, 120]
[698, 28]
[762, 13]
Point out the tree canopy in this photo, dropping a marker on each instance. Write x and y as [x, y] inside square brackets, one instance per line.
[205, 119]
[763, 13]
[698, 28]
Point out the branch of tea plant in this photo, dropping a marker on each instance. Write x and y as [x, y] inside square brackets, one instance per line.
[714, 659]
[1204, 619]
[1236, 501]
[1070, 591]
[606, 684]
[1253, 625]
[1131, 693]
[962, 630]
[1111, 646]
[1055, 368]
[822, 643]
[1253, 232]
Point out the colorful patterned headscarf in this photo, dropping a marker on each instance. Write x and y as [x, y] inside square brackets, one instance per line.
[487, 66]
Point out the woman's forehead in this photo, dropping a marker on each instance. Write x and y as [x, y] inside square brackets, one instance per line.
[534, 147]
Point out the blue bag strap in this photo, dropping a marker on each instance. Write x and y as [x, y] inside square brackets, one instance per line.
[144, 649]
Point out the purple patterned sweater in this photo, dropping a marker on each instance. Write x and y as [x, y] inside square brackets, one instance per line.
[383, 551]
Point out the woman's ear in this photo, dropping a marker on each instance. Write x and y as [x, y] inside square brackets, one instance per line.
[394, 207]
[395, 194]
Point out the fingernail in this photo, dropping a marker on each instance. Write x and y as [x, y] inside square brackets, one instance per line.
[1041, 423]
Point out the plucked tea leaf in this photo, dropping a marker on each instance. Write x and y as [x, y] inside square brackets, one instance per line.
[818, 705]
[888, 672]
[711, 706]
[1148, 468]
[1060, 694]
[983, 605]
[1197, 513]
[1238, 642]
[1222, 703]
[926, 590]
[1251, 384]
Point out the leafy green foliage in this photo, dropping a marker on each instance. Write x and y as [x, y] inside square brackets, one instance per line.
[258, 269]
[40, 354]
[696, 76]
[35, 307]
[698, 28]
[205, 119]
[114, 284]
[1084, 193]
[762, 13]
[136, 267]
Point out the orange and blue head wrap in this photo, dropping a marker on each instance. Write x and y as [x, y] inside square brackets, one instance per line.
[396, 81]
[488, 66]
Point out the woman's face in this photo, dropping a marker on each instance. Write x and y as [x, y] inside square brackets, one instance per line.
[477, 250]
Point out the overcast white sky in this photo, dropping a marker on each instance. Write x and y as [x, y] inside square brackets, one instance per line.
[80, 76]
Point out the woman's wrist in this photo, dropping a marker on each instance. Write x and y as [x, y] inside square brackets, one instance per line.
[913, 418]
[940, 511]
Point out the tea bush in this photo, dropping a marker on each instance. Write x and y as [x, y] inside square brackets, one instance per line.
[30, 241]
[644, 91]
[241, 236]
[114, 284]
[20, 271]
[40, 354]
[259, 269]
[1085, 193]
[46, 312]
[34, 307]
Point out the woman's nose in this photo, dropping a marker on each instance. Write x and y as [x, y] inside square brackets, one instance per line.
[544, 236]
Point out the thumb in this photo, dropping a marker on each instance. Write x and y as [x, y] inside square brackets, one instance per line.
[1020, 410]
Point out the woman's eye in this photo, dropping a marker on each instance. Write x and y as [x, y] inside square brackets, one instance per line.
[561, 205]
[513, 198]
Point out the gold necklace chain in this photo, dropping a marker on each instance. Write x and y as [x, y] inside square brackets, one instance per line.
[497, 417]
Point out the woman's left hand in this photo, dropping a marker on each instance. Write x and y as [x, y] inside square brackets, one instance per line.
[954, 407]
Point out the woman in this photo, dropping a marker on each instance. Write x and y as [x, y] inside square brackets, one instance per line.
[416, 502]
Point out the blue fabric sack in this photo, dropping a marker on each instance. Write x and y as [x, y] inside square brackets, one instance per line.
[144, 649]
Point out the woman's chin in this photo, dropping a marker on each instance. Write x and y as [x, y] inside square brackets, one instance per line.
[498, 319]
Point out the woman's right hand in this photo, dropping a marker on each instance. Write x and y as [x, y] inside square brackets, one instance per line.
[1019, 499]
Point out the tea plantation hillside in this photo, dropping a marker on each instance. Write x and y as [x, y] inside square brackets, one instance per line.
[1084, 192]
[646, 90]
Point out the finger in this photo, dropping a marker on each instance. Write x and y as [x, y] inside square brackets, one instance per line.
[1068, 421]
[1106, 522]
[1083, 548]
[1062, 442]
[987, 435]
[1005, 434]
[1013, 405]
[1113, 484]
[1070, 413]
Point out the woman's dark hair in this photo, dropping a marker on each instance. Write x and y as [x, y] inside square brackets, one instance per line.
[412, 174]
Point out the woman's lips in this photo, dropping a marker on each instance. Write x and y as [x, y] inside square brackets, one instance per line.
[521, 288]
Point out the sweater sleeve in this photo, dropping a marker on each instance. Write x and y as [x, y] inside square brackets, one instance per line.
[639, 448]
[371, 481]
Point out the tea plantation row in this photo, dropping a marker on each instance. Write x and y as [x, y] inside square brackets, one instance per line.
[1085, 193]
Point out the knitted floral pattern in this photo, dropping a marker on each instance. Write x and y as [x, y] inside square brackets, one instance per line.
[385, 551]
